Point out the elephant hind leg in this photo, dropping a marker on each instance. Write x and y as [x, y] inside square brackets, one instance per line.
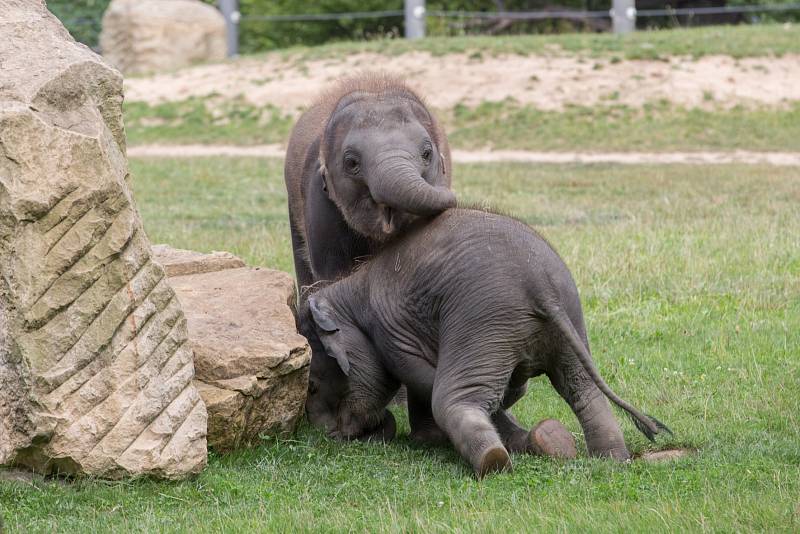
[494, 460]
[463, 398]
[600, 428]
[472, 433]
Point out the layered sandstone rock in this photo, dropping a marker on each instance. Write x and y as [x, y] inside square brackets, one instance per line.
[95, 370]
[252, 365]
[157, 35]
[180, 262]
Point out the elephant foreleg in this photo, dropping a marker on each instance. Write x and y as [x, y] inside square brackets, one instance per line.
[420, 414]
[423, 425]
[302, 269]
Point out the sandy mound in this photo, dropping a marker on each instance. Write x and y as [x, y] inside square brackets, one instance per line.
[546, 82]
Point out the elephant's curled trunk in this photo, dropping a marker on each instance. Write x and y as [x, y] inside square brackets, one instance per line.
[399, 185]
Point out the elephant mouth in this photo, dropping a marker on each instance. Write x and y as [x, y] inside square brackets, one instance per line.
[388, 219]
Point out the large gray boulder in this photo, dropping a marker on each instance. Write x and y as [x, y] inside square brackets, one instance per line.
[252, 365]
[96, 375]
[157, 35]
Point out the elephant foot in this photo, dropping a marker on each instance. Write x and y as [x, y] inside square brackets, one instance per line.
[551, 438]
[494, 460]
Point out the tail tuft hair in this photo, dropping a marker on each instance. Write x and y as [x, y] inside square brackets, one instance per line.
[648, 430]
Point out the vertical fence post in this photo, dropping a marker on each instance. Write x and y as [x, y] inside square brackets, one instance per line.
[623, 16]
[230, 10]
[415, 19]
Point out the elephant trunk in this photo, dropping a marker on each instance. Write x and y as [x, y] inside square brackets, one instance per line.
[398, 185]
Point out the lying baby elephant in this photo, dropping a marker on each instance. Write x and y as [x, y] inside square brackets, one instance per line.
[463, 310]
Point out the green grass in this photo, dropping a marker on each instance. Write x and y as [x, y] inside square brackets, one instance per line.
[690, 278]
[205, 121]
[217, 204]
[736, 41]
[658, 126]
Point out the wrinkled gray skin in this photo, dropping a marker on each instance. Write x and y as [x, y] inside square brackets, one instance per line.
[364, 162]
[463, 310]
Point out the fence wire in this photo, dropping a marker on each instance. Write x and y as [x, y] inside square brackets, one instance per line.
[325, 16]
[506, 15]
[529, 15]
[717, 10]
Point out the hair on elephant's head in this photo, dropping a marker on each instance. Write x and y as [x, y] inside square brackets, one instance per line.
[383, 157]
[331, 404]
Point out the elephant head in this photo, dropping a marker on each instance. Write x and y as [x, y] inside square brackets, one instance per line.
[383, 162]
[330, 404]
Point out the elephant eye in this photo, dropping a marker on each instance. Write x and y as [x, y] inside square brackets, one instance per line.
[427, 152]
[351, 164]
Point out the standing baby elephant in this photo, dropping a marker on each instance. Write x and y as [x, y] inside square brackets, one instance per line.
[363, 162]
[463, 310]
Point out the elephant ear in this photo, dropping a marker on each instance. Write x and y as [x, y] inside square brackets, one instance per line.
[321, 314]
[330, 335]
[323, 173]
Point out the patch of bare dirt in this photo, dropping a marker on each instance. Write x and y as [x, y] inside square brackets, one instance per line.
[19, 475]
[547, 82]
[666, 455]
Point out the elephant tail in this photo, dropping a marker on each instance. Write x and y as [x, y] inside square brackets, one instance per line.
[647, 425]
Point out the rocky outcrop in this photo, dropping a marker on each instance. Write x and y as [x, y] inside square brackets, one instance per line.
[252, 365]
[96, 375]
[157, 35]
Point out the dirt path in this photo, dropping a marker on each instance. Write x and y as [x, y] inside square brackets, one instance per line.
[546, 82]
[782, 159]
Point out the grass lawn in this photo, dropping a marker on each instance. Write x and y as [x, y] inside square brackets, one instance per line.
[690, 278]
[658, 126]
[191, 121]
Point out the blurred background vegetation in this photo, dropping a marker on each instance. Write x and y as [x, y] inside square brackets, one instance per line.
[83, 19]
